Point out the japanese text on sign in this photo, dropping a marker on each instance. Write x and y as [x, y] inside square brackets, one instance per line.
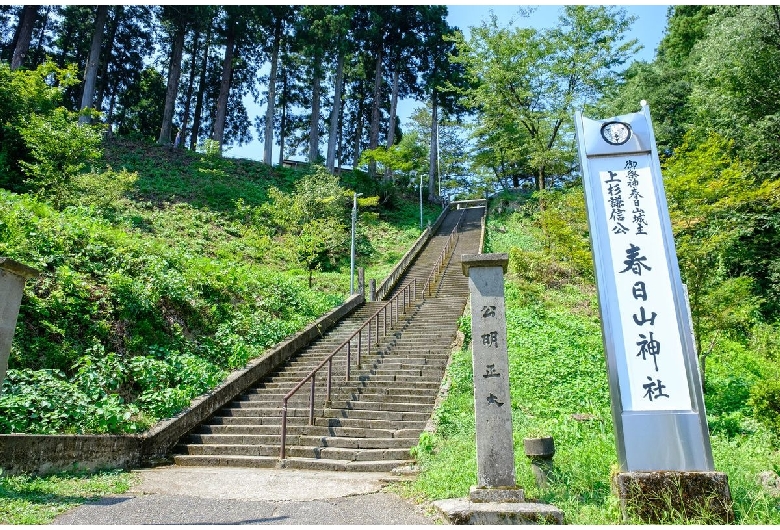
[654, 359]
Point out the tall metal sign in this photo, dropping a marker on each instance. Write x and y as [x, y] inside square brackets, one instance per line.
[654, 380]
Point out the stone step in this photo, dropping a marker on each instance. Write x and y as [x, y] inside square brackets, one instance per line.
[249, 439]
[227, 461]
[386, 415]
[321, 464]
[352, 455]
[355, 443]
[296, 451]
[298, 440]
[311, 430]
[408, 405]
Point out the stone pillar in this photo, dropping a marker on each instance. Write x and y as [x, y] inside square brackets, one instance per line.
[12, 277]
[495, 450]
[372, 290]
[361, 280]
[495, 499]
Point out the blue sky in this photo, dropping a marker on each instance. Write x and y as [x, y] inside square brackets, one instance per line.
[648, 29]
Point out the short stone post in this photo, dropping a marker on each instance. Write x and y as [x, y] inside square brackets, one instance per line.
[372, 290]
[12, 278]
[361, 280]
[540, 451]
[495, 499]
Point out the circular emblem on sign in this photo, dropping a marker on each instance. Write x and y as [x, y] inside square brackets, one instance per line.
[616, 132]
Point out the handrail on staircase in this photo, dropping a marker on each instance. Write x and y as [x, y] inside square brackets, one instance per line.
[406, 297]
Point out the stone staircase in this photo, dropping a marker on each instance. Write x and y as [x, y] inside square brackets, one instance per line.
[374, 419]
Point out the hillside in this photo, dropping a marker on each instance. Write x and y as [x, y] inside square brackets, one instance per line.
[162, 270]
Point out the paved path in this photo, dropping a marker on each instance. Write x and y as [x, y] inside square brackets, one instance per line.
[210, 495]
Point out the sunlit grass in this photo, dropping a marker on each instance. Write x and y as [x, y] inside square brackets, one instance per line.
[29, 500]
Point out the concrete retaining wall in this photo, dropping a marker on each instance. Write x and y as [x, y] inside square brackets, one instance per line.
[40, 454]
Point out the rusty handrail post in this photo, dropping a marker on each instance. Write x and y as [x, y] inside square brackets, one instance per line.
[284, 429]
[349, 356]
[360, 346]
[330, 378]
[311, 399]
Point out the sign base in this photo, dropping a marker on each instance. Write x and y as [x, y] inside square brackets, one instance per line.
[674, 497]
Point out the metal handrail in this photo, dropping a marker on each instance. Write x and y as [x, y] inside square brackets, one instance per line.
[407, 296]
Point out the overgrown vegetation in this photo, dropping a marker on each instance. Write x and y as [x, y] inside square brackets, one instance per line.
[559, 386]
[164, 274]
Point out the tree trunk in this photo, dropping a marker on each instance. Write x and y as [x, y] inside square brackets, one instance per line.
[373, 140]
[24, 35]
[314, 121]
[201, 90]
[90, 75]
[113, 26]
[224, 86]
[358, 130]
[271, 106]
[393, 118]
[433, 170]
[282, 125]
[39, 51]
[110, 117]
[174, 73]
[335, 114]
[185, 121]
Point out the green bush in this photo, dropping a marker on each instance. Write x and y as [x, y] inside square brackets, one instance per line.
[765, 400]
[60, 148]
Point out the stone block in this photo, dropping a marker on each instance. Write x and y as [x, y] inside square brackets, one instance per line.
[497, 494]
[675, 496]
[463, 511]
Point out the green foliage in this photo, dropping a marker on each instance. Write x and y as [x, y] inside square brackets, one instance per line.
[562, 255]
[765, 400]
[526, 84]
[718, 205]
[141, 106]
[28, 100]
[59, 147]
[320, 242]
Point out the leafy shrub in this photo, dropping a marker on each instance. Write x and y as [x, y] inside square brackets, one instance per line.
[44, 402]
[539, 266]
[59, 149]
[101, 189]
[765, 400]
[26, 96]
